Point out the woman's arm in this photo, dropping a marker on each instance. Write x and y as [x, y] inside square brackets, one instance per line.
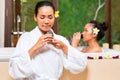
[76, 39]
[20, 63]
[75, 60]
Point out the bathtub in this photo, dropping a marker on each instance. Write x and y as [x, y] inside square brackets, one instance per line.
[5, 54]
[105, 68]
[101, 66]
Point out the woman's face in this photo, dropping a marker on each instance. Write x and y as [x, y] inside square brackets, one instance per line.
[87, 33]
[45, 18]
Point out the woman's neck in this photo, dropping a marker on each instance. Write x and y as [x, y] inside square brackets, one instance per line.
[42, 32]
[93, 46]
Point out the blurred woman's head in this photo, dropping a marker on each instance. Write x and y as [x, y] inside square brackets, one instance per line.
[94, 31]
[44, 15]
[41, 4]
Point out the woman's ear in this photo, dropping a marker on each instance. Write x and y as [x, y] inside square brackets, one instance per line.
[35, 17]
[94, 35]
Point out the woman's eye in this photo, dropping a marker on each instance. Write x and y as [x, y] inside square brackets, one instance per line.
[42, 17]
[50, 17]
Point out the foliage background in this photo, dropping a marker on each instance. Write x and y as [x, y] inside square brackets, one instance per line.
[115, 21]
[73, 16]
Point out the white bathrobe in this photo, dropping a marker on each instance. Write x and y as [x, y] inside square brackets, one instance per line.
[46, 65]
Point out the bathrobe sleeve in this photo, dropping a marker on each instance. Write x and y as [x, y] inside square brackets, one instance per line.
[75, 61]
[20, 63]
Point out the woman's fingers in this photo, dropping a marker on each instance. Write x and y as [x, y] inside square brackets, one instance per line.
[76, 38]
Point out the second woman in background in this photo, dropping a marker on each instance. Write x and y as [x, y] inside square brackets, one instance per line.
[93, 32]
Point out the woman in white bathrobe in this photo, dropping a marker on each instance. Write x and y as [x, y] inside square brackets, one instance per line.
[42, 56]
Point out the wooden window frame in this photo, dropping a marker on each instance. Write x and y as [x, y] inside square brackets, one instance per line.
[9, 22]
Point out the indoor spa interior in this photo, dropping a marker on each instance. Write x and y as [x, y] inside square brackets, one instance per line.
[17, 18]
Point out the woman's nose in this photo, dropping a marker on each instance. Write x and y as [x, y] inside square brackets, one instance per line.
[46, 20]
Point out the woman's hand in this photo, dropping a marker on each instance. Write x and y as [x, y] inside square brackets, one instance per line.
[76, 38]
[60, 45]
[44, 39]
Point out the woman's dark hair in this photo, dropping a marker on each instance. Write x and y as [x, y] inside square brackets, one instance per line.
[41, 4]
[101, 26]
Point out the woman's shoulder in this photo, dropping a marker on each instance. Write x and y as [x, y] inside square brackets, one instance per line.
[30, 33]
[25, 36]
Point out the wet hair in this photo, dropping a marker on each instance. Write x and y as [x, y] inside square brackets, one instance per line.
[101, 26]
[41, 4]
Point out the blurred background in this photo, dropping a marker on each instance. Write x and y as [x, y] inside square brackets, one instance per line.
[73, 15]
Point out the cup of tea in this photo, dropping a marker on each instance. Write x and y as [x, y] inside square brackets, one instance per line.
[50, 32]
[81, 36]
